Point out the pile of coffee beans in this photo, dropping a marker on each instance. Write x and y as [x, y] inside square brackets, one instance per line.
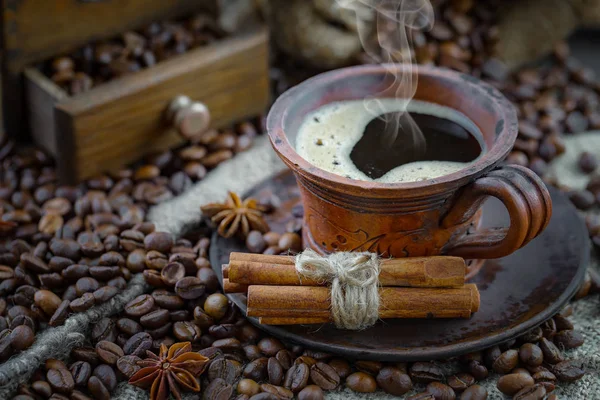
[247, 364]
[133, 51]
[64, 249]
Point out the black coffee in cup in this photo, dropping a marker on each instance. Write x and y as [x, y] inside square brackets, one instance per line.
[350, 139]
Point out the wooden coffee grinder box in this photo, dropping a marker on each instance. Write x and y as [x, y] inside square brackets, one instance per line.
[119, 121]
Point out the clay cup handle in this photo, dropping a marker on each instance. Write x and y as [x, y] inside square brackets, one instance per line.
[526, 199]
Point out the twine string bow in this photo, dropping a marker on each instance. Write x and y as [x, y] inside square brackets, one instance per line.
[354, 282]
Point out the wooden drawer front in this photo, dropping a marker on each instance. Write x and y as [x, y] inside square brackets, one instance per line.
[118, 122]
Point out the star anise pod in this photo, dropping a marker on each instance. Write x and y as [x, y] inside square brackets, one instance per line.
[236, 216]
[170, 371]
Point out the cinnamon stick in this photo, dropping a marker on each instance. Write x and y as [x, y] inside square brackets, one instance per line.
[290, 303]
[231, 287]
[259, 269]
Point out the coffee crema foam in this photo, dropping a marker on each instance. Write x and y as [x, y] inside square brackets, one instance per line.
[327, 136]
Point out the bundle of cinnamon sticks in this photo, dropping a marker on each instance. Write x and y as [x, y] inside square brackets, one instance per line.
[417, 287]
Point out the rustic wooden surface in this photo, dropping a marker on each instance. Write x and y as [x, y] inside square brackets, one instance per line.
[120, 121]
[34, 30]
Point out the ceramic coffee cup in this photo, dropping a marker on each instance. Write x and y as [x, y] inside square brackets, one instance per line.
[430, 217]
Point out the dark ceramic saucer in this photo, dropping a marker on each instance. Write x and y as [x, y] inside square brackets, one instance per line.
[518, 292]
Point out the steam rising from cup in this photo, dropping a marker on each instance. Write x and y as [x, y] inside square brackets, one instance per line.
[395, 21]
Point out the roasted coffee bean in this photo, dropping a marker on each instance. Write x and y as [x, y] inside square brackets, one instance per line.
[127, 365]
[139, 306]
[394, 381]
[562, 323]
[512, 383]
[506, 362]
[75, 271]
[222, 331]
[226, 370]
[535, 392]
[569, 339]
[34, 264]
[582, 199]
[311, 392]
[77, 395]
[361, 382]
[97, 389]
[321, 374]
[180, 315]
[54, 363]
[478, 370]
[172, 273]
[491, 355]
[441, 391]
[107, 376]
[67, 248]
[21, 337]
[460, 381]
[544, 376]
[153, 278]
[218, 389]
[229, 344]
[549, 328]
[568, 371]
[270, 346]
[202, 319]
[248, 387]
[189, 288]
[278, 391]
[81, 372]
[22, 320]
[531, 354]
[60, 380]
[138, 344]
[285, 358]
[264, 396]
[290, 241]
[47, 301]
[257, 369]
[42, 388]
[341, 367]
[105, 293]
[216, 306]
[370, 367]
[104, 273]
[588, 162]
[129, 326]
[252, 352]
[425, 372]
[87, 354]
[108, 352]
[306, 360]
[296, 377]
[155, 319]
[159, 241]
[168, 300]
[83, 303]
[551, 353]
[533, 335]
[86, 285]
[474, 392]
[104, 330]
[136, 260]
[255, 242]
[186, 331]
